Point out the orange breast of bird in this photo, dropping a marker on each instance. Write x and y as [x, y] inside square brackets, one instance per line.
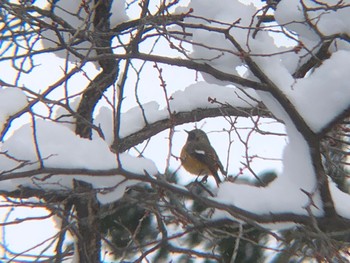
[193, 165]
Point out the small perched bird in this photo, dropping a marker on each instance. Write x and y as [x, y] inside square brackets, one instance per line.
[199, 157]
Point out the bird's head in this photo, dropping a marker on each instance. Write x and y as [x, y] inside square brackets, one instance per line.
[197, 135]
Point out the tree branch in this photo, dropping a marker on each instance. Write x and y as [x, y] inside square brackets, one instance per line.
[185, 117]
[106, 78]
[326, 223]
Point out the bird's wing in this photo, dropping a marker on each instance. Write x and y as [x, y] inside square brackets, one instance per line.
[221, 167]
[206, 156]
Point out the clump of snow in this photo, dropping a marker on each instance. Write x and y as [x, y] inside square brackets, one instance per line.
[137, 165]
[74, 14]
[320, 97]
[284, 194]
[79, 18]
[104, 120]
[59, 147]
[64, 116]
[327, 20]
[118, 13]
[196, 96]
[11, 101]
[133, 120]
[114, 190]
[330, 17]
[290, 14]
[212, 46]
[325, 94]
[193, 97]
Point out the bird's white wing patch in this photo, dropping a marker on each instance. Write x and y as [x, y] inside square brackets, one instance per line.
[200, 152]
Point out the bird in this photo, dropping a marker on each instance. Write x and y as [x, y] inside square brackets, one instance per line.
[198, 157]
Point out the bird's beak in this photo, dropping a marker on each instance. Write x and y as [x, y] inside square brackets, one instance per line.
[187, 131]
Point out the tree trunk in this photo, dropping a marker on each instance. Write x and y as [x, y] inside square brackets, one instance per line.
[87, 210]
